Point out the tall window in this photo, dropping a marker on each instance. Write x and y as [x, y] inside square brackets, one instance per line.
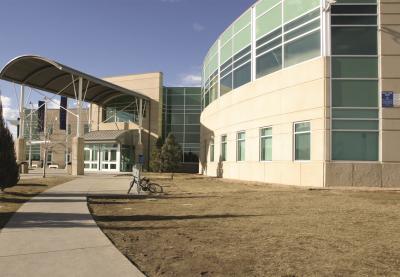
[212, 150]
[302, 141]
[355, 88]
[241, 146]
[224, 143]
[266, 144]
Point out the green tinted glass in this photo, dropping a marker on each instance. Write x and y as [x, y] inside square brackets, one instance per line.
[269, 21]
[302, 147]
[227, 35]
[266, 149]
[355, 125]
[264, 5]
[295, 8]
[354, 41]
[355, 146]
[354, 67]
[302, 127]
[355, 93]
[243, 21]
[269, 62]
[354, 113]
[226, 84]
[303, 49]
[242, 39]
[226, 52]
[266, 132]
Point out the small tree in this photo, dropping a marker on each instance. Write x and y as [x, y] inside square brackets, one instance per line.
[9, 171]
[155, 160]
[171, 155]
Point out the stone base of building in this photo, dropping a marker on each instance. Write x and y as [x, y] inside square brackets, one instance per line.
[309, 174]
[78, 163]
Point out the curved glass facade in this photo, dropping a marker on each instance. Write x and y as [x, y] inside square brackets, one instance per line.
[271, 35]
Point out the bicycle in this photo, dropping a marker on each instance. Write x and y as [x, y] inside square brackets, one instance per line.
[145, 185]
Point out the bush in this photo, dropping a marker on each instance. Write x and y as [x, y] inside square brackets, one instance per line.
[9, 171]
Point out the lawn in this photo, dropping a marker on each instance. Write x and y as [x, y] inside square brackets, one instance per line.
[214, 227]
[12, 198]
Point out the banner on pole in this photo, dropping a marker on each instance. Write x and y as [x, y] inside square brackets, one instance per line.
[63, 112]
[41, 115]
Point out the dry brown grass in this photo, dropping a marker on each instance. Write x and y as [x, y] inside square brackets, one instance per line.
[211, 227]
[12, 198]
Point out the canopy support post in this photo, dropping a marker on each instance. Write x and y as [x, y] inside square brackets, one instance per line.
[20, 144]
[78, 142]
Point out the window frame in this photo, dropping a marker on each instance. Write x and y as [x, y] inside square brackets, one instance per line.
[294, 139]
[224, 145]
[260, 143]
[238, 143]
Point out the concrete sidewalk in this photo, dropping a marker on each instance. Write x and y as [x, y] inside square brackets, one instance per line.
[55, 235]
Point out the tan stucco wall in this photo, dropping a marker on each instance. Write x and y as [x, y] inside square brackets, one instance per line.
[149, 84]
[277, 100]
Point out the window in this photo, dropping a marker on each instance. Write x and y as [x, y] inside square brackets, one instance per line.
[355, 90]
[224, 143]
[241, 146]
[302, 141]
[86, 128]
[212, 150]
[266, 144]
[303, 48]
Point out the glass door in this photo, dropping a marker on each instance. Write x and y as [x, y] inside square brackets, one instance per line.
[91, 154]
[109, 157]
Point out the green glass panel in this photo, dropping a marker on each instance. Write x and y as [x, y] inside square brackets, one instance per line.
[193, 99]
[355, 93]
[226, 52]
[242, 75]
[241, 135]
[86, 155]
[302, 147]
[355, 125]
[264, 5]
[226, 84]
[269, 62]
[213, 50]
[192, 119]
[355, 146]
[266, 149]
[354, 67]
[302, 127]
[354, 113]
[241, 39]
[295, 8]
[303, 49]
[354, 41]
[266, 132]
[242, 22]
[269, 21]
[213, 64]
[227, 35]
[302, 30]
[241, 151]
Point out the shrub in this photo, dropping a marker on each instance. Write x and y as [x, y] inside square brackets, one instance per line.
[9, 171]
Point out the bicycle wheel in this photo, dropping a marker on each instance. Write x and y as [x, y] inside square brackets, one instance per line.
[155, 188]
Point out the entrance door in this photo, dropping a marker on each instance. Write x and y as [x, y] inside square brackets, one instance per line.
[109, 157]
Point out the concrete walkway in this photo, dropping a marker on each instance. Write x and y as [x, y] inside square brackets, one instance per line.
[55, 235]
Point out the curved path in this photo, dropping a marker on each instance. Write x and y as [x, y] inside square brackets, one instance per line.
[54, 234]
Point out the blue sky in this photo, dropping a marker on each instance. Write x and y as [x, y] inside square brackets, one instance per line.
[115, 37]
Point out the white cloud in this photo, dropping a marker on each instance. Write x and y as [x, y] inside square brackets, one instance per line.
[54, 104]
[190, 80]
[198, 27]
[9, 113]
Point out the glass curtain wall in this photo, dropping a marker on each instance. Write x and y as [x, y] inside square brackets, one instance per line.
[122, 109]
[182, 108]
[34, 135]
[272, 35]
[355, 93]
